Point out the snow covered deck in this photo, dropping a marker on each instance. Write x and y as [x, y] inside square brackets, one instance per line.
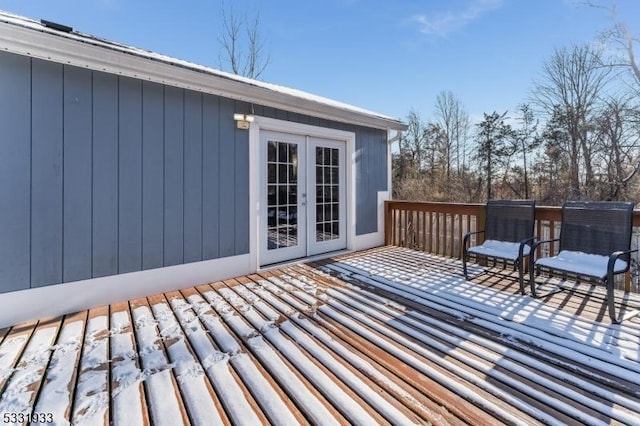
[389, 335]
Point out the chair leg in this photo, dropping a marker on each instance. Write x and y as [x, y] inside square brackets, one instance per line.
[519, 264]
[464, 264]
[610, 298]
[611, 303]
[532, 280]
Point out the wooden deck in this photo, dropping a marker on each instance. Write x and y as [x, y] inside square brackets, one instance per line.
[386, 336]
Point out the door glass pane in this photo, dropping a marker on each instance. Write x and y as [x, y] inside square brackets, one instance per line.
[272, 198]
[271, 152]
[272, 173]
[327, 201]
[282, 191]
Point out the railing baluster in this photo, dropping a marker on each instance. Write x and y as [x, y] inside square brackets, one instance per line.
[430, 233]
[540, 236]
[552, 235]
[450, 233]
[437, 233]
[404, 243]
[425, 216]
[459, 251]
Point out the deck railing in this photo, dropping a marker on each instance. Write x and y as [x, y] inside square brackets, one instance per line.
[439, 228]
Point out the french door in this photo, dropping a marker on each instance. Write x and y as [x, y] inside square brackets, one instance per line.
[303, 197]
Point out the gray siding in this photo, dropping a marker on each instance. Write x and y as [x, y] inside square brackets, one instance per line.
[226, 177]
[77, 159]
[173, 176]
[129, 175]
[104, 251]
[15, 172]
[46, 172]
[107, 174]
[152, 176]
[192, 177]
[210, 177]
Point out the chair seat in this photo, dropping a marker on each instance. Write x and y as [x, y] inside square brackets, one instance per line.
[499, 249]
[593, 265]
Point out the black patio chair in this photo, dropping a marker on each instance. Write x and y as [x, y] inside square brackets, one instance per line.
[508, 234]
[595, 242]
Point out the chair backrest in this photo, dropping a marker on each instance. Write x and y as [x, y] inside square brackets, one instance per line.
[509, 220]
[597, 227]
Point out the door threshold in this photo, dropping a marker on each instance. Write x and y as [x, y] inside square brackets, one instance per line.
[313, 258]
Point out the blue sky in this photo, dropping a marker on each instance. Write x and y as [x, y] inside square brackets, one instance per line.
[386, 56]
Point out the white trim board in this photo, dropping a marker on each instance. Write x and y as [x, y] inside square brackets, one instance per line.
[29, 38]
[60, 299]
[373, 239]
[283, 126]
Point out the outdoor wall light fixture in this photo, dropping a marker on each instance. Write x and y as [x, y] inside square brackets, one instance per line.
[243, 120]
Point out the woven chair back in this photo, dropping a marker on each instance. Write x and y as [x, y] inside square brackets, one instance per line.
[509, 220]
[597, 227]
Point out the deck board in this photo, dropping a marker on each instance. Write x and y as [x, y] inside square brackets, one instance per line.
[91, 399]
[128, 401]
[59, 383]
[165, 401]
[22, 388]
[201, 403]
[384, 336]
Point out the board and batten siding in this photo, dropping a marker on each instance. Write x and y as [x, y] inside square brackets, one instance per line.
[102, 174]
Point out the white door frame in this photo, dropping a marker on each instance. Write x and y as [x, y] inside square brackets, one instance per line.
[255, 184]
[301, 248]
[313, 245]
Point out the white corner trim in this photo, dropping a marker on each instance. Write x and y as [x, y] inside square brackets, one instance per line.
[352, 217]
[373, 239]
[367, 241]
[60, 299]
[382, 197]
[390, 169]
[254, 194]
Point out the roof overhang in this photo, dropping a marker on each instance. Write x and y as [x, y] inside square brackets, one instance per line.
[29, 38]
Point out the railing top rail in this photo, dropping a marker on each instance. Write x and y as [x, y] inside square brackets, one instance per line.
[436, 207]
[550, 213]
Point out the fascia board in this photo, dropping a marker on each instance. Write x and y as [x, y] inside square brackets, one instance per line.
[66, 50]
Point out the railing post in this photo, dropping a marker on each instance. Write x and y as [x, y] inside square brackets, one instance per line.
[387, 222]
[480, 221]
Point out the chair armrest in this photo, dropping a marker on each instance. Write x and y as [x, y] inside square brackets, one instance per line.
[523, 243]
[536, 245]
[539, 243]
[469, 234]
[527, 240]
[614, 256]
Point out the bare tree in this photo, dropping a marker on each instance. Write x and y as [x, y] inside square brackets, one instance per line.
[453, 119]
[572, 82]
[413, 145]
[619, 147]
[242, 45]
[620, 35]
[493, 135]
[526, 139]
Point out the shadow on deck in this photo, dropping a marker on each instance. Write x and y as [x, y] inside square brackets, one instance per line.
[385, 336]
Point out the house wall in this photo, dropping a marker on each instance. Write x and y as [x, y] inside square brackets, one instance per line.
[103, 174]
